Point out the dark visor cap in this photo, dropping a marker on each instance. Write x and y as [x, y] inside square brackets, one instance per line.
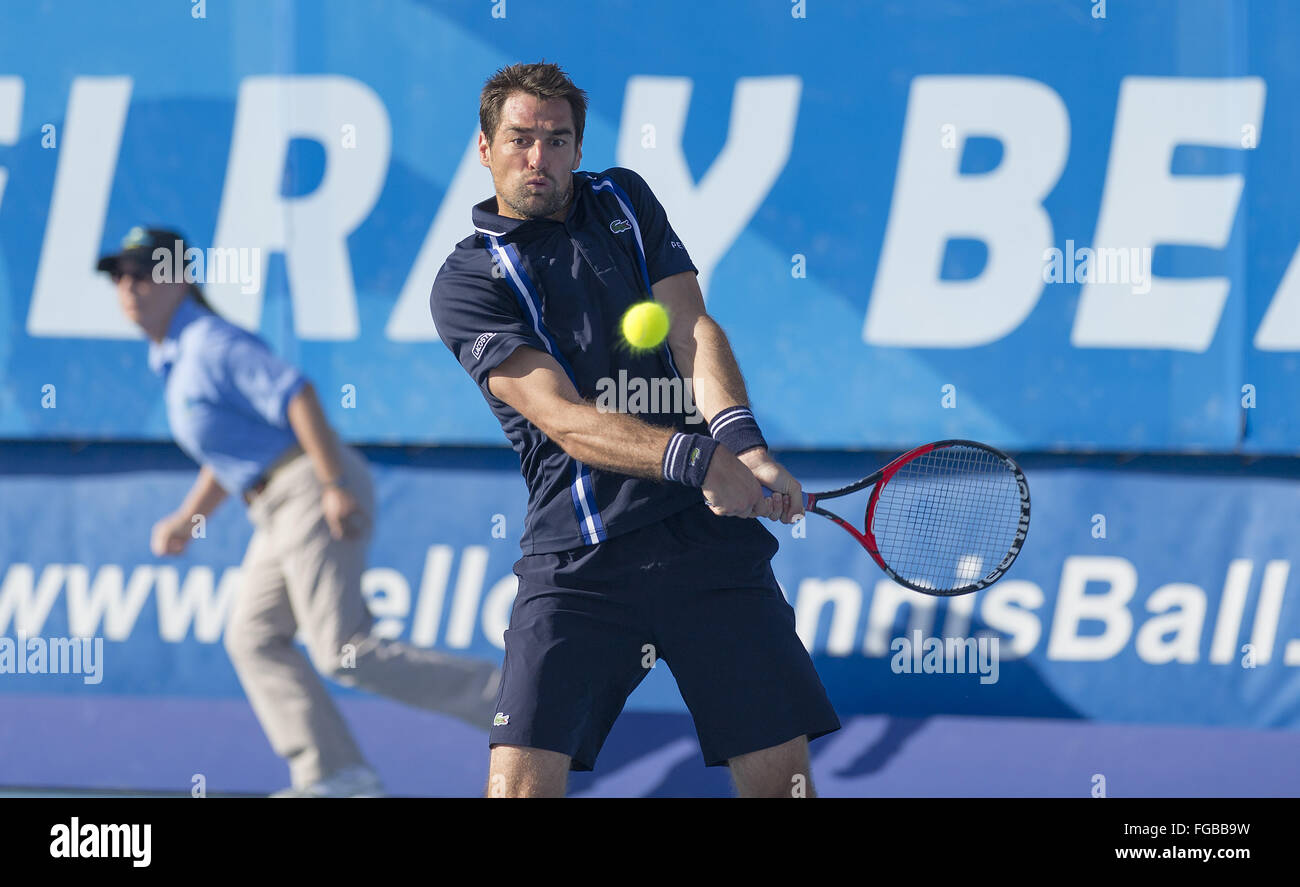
[138, 248]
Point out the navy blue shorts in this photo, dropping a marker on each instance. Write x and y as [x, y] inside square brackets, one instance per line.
[694, 590]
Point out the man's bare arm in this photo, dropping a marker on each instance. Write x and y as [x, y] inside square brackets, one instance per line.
[703, 355]
[535, 385]
[321, 444]
[171, 534]
[314, 434]
[700, 347]
[204, 496]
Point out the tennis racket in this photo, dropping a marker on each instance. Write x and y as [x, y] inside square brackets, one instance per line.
[946, 518]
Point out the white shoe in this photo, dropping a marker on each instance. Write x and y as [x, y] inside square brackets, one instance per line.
[350, 782]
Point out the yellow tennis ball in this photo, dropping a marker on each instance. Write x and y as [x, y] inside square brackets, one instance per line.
[645, 325]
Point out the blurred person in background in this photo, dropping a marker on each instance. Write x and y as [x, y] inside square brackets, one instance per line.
[254, 424]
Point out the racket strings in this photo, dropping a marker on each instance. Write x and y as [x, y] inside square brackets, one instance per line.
[947, 518]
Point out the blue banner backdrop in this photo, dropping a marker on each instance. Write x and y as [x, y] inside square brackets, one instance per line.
[1143, 594]
[1057, 226]
[1152, 608]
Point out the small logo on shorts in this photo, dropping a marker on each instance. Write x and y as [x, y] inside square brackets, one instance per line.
[500, 720]
[618, 226]
[480, 343]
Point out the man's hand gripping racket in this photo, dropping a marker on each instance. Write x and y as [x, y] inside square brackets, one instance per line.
[946, 518]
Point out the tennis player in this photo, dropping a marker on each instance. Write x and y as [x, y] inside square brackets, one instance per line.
[255, 426]
[638, 544]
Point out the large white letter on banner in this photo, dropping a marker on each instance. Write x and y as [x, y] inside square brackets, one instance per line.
[311, 230]
[933, 203]
[1145, 206]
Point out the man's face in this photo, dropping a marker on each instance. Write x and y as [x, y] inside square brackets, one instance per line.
[531, 156]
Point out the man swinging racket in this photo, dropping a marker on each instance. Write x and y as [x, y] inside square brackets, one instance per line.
[636, 539]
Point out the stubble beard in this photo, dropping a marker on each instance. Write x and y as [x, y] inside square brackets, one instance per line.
[528, 205]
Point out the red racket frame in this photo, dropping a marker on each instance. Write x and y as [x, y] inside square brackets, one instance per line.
[867, 537]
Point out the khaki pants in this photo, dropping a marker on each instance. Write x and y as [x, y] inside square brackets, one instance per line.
[296, 576]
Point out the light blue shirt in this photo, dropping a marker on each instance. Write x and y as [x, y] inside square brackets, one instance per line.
[227, 395]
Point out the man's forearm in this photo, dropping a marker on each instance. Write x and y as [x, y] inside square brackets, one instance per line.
[711, 366]
[204, 497]
[534, 384]
[611, 441]
[700, 348]
[315, 435]
[707, 360]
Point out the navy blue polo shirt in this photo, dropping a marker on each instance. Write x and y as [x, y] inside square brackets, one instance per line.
[562, 288]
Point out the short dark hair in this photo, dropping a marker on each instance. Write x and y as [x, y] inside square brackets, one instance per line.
[540, 79]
